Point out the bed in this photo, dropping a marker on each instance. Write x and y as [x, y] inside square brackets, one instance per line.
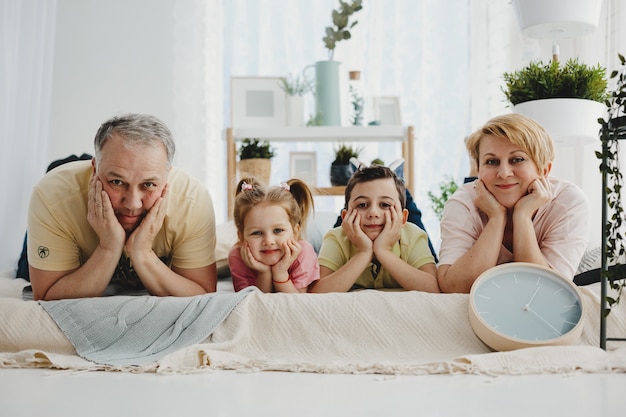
[368, 352]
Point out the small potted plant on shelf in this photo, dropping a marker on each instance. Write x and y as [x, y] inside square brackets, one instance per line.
[613, 129]
[295, 88]
[340, 169]
[565, 99]
[254, 159]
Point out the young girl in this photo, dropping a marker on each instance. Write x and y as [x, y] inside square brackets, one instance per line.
[269, 253]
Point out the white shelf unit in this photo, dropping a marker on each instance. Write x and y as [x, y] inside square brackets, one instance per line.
[404, 134]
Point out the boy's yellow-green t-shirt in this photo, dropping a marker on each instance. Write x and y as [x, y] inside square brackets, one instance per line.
[412, 248]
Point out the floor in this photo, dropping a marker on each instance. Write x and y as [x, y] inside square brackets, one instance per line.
[37, 392]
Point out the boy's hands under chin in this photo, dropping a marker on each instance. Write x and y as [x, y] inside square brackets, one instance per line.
[394, 221]
[351, 225]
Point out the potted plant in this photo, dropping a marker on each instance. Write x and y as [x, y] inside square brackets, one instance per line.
[613, 129]
[340, 169]
[254, 159]
[295, 88]
[565, 99]
[447, 187]
[327, 103]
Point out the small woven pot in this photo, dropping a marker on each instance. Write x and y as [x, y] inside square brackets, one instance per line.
[259, 168]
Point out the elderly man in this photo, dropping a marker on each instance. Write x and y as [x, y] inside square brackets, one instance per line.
[126, 219]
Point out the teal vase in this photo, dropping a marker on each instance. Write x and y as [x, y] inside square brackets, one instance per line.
[327, 97]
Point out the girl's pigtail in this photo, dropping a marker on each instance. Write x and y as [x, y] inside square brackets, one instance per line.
[303, 196]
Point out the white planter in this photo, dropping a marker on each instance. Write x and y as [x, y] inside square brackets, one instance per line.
[565, 119]
[295, 111]
[565, 18]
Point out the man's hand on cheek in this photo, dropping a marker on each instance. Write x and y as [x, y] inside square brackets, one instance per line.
[101, 217]
[142, 237]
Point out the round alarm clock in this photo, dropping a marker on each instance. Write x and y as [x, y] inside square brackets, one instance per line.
[519, 305]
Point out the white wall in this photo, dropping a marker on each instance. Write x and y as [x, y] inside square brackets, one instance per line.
[111, 57]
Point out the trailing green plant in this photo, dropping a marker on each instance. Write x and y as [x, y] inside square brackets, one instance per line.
[344, 152]
[316, 120]
[255, 148]
[447, 187]
[378, 161]
[295, 86]
[613, 129]
[356, 119]
[539, 81]
[340, 30]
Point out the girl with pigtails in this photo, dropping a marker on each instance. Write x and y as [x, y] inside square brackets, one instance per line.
[270, 253]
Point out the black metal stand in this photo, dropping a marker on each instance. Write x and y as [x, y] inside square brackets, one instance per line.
[618, 133]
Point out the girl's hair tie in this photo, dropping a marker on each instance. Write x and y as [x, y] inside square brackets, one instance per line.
[285, 186]
[246, 187]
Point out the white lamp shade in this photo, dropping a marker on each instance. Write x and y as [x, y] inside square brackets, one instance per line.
[563, 18]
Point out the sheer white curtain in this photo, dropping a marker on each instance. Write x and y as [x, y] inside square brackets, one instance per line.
[417, 50]
[198, 96]
[26, 47]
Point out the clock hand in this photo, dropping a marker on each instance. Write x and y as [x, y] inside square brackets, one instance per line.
[527, 305]
[558, 333]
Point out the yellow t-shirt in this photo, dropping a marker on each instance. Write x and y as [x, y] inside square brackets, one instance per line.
[61, 239]
[412, 248]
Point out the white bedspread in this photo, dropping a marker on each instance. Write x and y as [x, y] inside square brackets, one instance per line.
[360, 332]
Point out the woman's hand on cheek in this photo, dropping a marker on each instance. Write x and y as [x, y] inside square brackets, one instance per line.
[539, 193]
[485, 201]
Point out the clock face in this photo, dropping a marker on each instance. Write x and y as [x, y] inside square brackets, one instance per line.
[526, 302]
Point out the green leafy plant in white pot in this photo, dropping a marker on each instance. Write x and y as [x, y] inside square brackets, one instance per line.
[566, 99]
[296, 87]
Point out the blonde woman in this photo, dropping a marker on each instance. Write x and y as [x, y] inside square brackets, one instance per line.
[514, 211]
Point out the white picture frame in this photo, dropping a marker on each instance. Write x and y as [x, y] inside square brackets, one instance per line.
[257, 102]
[303, 165]
[387, 110]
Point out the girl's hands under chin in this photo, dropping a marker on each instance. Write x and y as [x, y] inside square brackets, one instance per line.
[291, 251]
[250, 261]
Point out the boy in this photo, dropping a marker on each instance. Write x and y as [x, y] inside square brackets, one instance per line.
[375, 247]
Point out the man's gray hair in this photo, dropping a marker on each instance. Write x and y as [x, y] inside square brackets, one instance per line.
[136, 129]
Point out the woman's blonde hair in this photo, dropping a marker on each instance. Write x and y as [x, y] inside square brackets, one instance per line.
[294, 196]
[529, 135]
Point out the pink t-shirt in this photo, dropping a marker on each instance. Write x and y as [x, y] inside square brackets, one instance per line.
[561, 227]
[304, 270]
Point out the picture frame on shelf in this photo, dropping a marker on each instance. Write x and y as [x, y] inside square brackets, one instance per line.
[257, 102]
[387, 110]
[303, 165]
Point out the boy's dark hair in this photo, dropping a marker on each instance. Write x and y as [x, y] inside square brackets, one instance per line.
[371, 173]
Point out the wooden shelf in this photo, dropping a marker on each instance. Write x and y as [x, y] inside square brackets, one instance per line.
[402, 134]
[322, 191]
